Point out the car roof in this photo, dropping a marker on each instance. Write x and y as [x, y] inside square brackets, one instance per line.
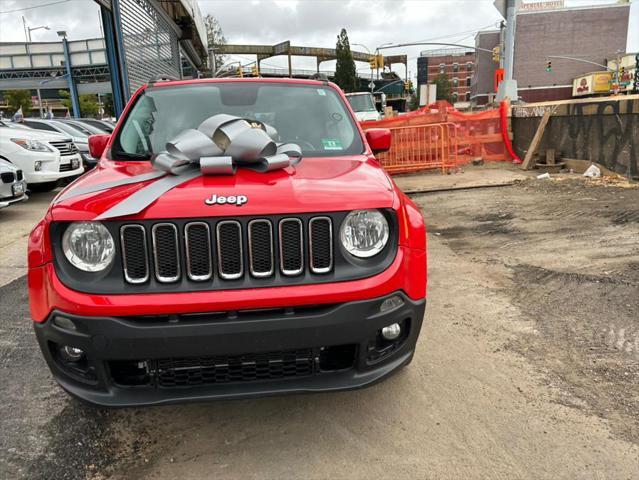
[197, 81]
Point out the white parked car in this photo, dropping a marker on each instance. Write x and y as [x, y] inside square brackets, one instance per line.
[363, 104]
[13, 188]
[78, 134]
[44, 157]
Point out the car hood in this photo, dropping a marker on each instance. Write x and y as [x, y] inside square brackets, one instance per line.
[314, 185]
[31, 134]
[6, 166]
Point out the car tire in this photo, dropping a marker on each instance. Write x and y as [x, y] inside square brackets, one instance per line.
[42, 187]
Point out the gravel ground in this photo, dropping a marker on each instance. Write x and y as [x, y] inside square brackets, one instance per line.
[527, 367]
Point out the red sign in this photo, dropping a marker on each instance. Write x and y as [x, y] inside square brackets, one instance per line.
[499, 76]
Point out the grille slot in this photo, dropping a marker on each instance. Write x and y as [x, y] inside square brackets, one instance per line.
[135, 260]
[19, 175]
[8, 177]
[166, 252]
[65, 148]
[229, 250]
[320, 244]
[66, 167]
[199, 263]
[260, 244]
[291, 247]
[181, 372]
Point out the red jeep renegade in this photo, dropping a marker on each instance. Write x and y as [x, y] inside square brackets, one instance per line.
[181, 271]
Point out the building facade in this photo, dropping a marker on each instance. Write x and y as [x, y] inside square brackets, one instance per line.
[482, 89]
[457, 64]
[593, 33]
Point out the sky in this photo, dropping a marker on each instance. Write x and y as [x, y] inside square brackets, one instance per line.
[303, 22]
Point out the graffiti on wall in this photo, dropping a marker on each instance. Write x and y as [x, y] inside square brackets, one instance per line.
[603, 132]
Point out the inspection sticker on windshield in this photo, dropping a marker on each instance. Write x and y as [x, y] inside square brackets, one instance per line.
[331, 144]
[321, 91]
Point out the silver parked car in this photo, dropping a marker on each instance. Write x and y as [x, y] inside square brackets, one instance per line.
[13, 188]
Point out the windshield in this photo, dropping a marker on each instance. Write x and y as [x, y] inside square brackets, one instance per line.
[361, 103]
[313, 116]
[70, 129]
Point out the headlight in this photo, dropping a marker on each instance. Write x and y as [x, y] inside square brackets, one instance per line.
[88, 246]
[32, 145]
[364, 233]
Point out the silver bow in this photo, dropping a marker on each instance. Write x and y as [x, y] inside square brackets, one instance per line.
[220, 145]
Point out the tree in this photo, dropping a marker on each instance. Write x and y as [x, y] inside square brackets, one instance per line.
[107, 105]
[345, 73]
[16, 99]
[413, 102]
[444, 88]
[88, 103]
[214, 38]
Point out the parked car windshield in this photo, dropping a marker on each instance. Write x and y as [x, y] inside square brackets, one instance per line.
[361, 103]
[313, 116]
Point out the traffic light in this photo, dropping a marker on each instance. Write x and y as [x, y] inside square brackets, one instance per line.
[240, 72]
[549, 66]
[496, 54]
[380, 61]
[372, 61]
[407, 86]
[622, 71]
[255, 71]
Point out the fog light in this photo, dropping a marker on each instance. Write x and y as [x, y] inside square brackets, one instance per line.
[37, 165]
[75, 164]
[64, 322]
[391, 303]
[71, 354]
[392, 331]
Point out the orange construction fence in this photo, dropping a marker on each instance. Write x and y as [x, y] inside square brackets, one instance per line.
[421, 147]
[439, 136]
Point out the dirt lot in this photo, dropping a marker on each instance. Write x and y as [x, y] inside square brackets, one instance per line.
[528, 367]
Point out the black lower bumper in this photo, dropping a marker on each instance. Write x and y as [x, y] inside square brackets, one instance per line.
[130, 361]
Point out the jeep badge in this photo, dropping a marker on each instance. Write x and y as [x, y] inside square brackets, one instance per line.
[237, 200]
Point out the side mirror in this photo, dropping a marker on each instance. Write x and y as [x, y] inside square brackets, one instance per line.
[97, 144]
[379, 139]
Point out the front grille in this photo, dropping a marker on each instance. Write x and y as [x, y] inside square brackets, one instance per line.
[227, 250]
[19, 175]
[66, 167]
[7, 177]
[182, 372]
[65, 148]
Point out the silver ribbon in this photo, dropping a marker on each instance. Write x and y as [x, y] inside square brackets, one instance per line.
[220, 145]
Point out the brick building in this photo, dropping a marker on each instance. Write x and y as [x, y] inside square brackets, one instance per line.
[594, 33]
[482, 89]
[457, 64]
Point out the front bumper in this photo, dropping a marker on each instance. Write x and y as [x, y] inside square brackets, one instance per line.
[230, 354]
[5, 202]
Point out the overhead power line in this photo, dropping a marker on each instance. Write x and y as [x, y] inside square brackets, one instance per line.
[34, 6]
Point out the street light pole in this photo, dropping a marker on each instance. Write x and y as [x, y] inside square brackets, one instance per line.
[67, 63]
[372, 85]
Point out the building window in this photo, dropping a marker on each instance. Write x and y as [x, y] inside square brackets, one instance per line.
[455, 82]
[442, 67]
[469, 66]
[455, 67]
[468, 81]
[455, 96]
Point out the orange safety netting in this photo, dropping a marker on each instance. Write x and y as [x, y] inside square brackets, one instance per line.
[439, 136]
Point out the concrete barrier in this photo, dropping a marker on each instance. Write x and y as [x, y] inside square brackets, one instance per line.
[603, 130]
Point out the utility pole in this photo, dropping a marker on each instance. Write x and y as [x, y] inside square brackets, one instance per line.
[508, 86]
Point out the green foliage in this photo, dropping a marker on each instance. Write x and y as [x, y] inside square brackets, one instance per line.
[17, 99]
[107, 104]
[444, 88]
[413, 102]
[88, 103]
[214, 38]
[345, 72]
